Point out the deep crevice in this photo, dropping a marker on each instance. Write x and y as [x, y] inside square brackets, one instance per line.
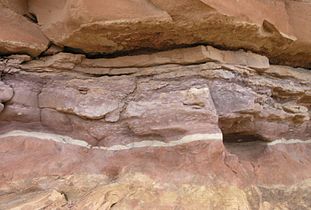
[31, 17]
[150, 50]
[143, 51]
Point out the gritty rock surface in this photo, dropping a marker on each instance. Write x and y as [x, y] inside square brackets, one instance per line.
[155, 104]
[278, 29]
[18, 35]
[197, 134]
[157, 99]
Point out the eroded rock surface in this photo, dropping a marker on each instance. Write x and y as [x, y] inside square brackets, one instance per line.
[195, 175]
[18, 35]
[126, 105]
[276, 28]
[227, 121]
[138, 191]
[161, 97]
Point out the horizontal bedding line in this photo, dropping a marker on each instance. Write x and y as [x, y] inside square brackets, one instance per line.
[289, 141]
[140, 144]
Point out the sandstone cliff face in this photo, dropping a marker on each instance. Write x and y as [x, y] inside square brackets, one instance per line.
[192, 104]
[280, 28]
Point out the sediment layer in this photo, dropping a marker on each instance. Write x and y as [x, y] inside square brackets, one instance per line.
[155, 104]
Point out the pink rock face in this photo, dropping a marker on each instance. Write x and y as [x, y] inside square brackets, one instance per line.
[204, 163]
[226, 129]
[122, 105]
[185, 163]
[164, 102]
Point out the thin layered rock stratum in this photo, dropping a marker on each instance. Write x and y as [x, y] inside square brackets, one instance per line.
[225, 124]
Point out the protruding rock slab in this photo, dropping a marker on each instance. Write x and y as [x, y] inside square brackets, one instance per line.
[19, 35]
[63, 20]
[241, 57]
[131, 64]
[181, 56]
[59, 61]
[277, 29]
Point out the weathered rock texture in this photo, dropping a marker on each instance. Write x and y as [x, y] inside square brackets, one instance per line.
[18, 35]
[175, 104]
[279, 28]
[146, 131]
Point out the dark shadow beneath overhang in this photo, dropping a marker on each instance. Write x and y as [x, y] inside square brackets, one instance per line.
[245, 146]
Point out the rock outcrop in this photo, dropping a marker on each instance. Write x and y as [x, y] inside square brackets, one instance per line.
[176, 104]
[183, 116]
[280, 28]
[19, 35]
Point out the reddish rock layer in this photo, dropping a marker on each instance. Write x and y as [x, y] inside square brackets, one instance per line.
[164, 102]
[243, 169]
[158, 111]
[144, 115]
[279, 29]
[240, 164]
